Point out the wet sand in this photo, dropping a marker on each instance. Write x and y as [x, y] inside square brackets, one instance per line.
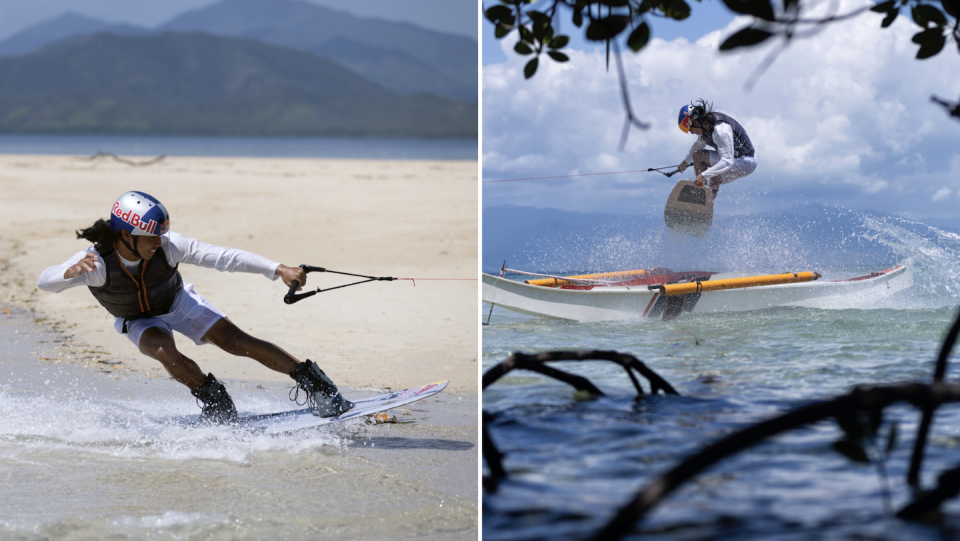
[91, 453]
[379, 218]
[86, 449]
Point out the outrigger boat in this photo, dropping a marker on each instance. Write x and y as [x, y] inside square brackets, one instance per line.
[664, 294]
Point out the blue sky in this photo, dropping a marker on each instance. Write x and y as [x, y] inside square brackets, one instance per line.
[841, 119]
[449, 16]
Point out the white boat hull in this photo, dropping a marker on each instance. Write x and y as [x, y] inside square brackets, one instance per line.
[613, 303]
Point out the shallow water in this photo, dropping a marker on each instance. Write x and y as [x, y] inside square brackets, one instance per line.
[92, 455]
[573, 462]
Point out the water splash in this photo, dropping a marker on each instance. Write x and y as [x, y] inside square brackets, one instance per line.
[934, 254]
[157, 429]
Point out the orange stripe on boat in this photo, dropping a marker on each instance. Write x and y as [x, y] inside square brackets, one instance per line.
[617, 275]
[737, 283]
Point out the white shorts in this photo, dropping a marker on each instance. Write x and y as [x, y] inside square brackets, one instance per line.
[190, 315]
[742, 166]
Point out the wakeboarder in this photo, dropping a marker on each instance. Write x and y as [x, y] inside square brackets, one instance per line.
[734, 156]
[132, 271]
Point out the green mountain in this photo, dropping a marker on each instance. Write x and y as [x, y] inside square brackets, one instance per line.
[390, 46]
[64, 26]
[197, 84]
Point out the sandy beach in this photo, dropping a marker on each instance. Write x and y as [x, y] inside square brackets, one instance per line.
[408, 219]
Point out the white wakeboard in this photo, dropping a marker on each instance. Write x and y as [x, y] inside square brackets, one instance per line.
[288, 421]
[689, 209]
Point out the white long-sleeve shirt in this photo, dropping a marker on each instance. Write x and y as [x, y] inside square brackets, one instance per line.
[723, 137]
[177, 248]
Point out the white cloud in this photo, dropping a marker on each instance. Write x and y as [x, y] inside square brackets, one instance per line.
[941, 194]
[843, 115]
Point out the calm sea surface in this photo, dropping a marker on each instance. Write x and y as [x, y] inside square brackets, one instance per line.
[572, 463]
[279, 147]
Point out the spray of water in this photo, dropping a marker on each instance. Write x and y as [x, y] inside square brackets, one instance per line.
[147, 429]
[934, 254]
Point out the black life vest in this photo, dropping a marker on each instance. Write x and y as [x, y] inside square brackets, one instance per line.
[741, 142]
[148, 293]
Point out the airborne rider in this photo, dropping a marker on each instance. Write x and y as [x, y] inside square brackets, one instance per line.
[734, 155]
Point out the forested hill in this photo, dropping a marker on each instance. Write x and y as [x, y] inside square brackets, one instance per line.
[197, 84]
[383, 51]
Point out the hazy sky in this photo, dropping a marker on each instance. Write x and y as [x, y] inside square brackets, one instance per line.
[450, 16]
[843, 118]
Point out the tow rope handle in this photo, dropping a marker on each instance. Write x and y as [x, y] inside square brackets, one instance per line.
[292, 296]
[668, 175]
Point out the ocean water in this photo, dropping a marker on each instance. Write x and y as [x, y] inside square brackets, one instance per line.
[572, 462]
[269, 147]
[106, 454]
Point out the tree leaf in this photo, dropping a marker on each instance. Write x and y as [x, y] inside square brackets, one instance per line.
[762, 9]
[542, 29]
[891, 16]
[559, 57]
[745, 38]
[677, 10]
[648, 5]
[758, 8]
[924, 14]
[884, 7]
[615, 3]
[737, 6]
[522, 48]
[500, 31]
[530, 68]
[852, 450]
[932, 42]
[498, 13]
[578, 19]
[639, 37]
[526, 34]
[559, 42]
[606, 28]
[952, 7]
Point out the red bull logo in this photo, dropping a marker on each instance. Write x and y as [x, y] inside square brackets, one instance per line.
[135, 220]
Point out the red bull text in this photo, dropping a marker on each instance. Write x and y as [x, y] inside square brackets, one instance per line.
[133, 219]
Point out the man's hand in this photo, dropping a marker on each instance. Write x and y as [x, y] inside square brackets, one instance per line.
[289, 274]
[683, 165]
[85, 265]
[700, 181]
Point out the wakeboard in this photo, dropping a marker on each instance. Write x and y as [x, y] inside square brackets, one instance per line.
[689, 209]
[289, 421]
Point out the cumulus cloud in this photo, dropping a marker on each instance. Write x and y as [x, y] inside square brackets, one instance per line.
[844, 116]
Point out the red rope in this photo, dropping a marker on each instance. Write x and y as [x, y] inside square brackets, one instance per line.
[567, 176]
[414, 280]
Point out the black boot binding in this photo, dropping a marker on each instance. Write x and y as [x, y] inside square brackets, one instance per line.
[217, 405]
[322, 394]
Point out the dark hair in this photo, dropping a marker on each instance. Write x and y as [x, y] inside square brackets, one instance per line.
[700, 112]
[100, 233]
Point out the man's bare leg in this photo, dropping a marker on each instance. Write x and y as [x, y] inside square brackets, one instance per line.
[230, 338]
[157, 344]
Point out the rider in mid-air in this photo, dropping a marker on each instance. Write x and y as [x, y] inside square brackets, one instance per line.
[131, 270]
[734, 155]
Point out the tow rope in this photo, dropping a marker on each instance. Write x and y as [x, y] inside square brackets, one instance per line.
[657, 169]
[292, 296]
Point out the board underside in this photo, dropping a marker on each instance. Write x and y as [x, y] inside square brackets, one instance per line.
[689, 209]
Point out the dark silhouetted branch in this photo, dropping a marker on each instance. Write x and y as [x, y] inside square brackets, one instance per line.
[916, 461]
[870, 400]
[536, 363]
